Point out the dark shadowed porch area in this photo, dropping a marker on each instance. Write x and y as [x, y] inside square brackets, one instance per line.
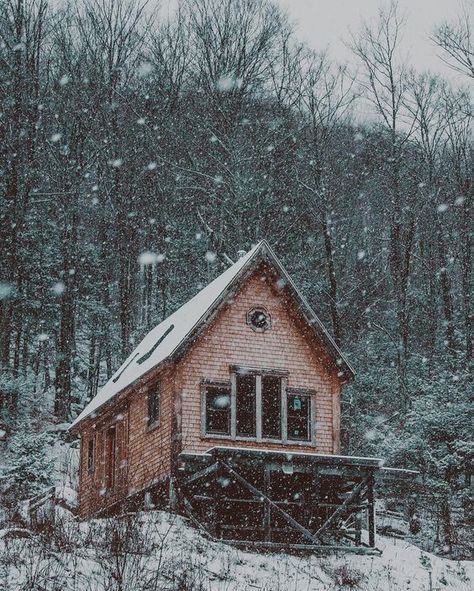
[272, 499]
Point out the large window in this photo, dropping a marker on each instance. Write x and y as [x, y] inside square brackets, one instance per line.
[271, 407]
[154, 404]
[258, 406]
[217, 407]
[246, 406]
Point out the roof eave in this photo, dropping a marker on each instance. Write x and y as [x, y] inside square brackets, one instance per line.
[312, 318]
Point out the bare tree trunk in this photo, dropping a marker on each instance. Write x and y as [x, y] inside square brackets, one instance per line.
[446, 290]
[66, 338]
[331, 273]
[466, 272]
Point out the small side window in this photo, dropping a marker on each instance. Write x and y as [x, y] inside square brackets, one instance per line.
[111, 442]
[299, 416]
[91, 456]
[154, 404]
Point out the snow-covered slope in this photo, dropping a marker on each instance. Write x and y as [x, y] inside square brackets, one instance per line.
[165, 553]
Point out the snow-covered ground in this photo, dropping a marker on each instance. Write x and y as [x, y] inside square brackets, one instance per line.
[165, 553]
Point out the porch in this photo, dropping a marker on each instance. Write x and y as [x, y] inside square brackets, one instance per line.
[273, 499]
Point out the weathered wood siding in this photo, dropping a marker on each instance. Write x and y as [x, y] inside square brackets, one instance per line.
[143, 452]
[147, 455]
[289, 345]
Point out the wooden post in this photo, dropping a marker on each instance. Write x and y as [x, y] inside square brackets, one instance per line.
[267, 510]
[217, 509]
[371, 510]
[358, 528]
[173, 496]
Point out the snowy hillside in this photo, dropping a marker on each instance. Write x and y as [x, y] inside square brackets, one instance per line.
[157, 550]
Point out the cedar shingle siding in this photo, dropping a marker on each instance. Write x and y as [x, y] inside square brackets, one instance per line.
[146, 454]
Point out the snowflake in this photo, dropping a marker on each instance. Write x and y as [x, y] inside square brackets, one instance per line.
[228, 82]
[58, 288]
[145, 69]
[6, 290]
[150, 258]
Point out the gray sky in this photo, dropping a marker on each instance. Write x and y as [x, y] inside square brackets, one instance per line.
[324, 23]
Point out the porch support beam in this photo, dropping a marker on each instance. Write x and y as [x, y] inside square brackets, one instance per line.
[371, 511]
[302, 530]
[202, 473]
[341, 509]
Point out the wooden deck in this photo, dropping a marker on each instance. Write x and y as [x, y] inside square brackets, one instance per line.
[276, 500]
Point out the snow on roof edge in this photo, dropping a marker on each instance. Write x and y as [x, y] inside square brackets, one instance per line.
[103, 396]
[124, 377]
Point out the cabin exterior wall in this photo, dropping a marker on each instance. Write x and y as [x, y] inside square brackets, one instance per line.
[146, 455]
[143, 452]
[288, 346]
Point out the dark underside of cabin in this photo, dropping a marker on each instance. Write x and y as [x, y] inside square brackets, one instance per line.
[276, 500]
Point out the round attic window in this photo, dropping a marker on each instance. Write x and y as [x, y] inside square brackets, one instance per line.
[259, 319]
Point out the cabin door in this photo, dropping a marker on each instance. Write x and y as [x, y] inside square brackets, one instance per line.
[116, 455]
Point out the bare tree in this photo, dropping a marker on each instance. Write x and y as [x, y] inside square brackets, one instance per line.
[384, 78]
[23, 30]
[425, 103]
[459, 153]
[112, 35]
[455, 39]
[326, 96]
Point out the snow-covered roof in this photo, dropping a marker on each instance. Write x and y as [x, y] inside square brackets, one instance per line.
[164, 340]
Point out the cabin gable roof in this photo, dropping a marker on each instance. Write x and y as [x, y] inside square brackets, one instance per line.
[171, 337]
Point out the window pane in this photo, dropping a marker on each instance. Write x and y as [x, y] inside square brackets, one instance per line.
[154, 403]
[271, 407]
[245, 402]
[217, 410]
[298, 409]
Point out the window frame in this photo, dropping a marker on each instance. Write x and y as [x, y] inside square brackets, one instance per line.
[302, 393]
[153, 389]
[205, 385]
[285, 393]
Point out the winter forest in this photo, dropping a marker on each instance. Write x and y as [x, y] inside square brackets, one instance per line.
[141, 150]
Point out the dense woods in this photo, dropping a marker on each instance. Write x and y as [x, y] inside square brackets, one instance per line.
[140, 152]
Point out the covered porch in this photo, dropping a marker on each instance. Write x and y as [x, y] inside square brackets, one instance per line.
[276, 499]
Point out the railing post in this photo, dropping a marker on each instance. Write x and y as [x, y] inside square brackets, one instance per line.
[371, 510]
[267, 510]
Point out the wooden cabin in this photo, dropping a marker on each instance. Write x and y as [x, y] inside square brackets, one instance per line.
[229, 412]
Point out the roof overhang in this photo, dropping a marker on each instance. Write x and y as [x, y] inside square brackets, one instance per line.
[261, 252]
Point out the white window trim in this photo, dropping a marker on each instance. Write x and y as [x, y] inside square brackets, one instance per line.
[285, 392]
